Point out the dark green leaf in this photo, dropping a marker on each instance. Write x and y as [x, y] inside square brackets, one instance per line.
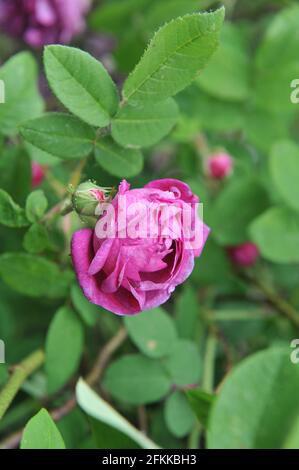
[60, 135]
[201, 403]
[34, 276]
[117, 160]
[153, 332]
[11, 214]
[144, 126]
[179, 416]
[81, 83]
[64, 346]
[176, 54]
[137, 380]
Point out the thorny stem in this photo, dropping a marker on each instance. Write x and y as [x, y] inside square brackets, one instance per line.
[18, 377]
[282, 306]
[92, 378]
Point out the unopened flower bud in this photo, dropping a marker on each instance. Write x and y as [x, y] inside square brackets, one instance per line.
[87, 197]
[244, 255]
[37, 174]
[220, 165]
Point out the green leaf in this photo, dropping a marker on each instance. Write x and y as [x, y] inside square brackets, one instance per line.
[64, 346]
[175, 56]
[89, 312]
[117, 160]
[15, 173]
[276, 233]
[178, 415]
[187, 313]
[275, 65]
[36, 239]
[36, 205]
[60, 135]
[81, 83]
[137, 380]
[144, 126]
[41, 433]
[11, 214]
[238, 204]
[184, 364]
[227, 74]
[22, 99]
[153, 332]
[256, 407]
[284, 169]
[99, 409]
[201, 403]
[34, 276]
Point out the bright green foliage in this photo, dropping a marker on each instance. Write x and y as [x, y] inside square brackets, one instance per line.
[81, 83]
[41, 433]
[256, 407]
[184, 364]
[36, 205]
[284, 169]
[117, 160]
[22, 100]
[153, 332]
[178, 414]
[59, 134]
[227, 74]
[136, 126]
[276, 232]
[11, 214]
[63, 347]
[201, 403]
[240, 202]
[33, 275]
[95, 406]
[36, 239]
[176, 54]
[127, 381]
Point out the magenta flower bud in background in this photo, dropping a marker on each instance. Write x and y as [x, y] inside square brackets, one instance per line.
[130, 272]
[220, 165]
[40, 22]
[37, 174]
[244, 255]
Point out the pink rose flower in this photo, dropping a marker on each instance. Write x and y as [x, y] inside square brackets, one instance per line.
[220, 166]
[40, 22]
[244, 255]
[128, 274]
[37, 174]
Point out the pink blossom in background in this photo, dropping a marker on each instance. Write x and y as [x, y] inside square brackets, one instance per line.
[244, 255]
[128, 275]
[220, 165]
[40, 22]
[37, 174]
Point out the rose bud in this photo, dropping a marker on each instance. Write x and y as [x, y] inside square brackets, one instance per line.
[37, 174]
[220, 165]
[87, 197]
[128, 263]
[244, 255]
[40, 22]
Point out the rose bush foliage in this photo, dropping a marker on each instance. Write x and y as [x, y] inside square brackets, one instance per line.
[184, 106]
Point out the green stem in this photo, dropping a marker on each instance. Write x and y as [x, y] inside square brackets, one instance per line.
[207, 384]
[18, 377]
[282, 306]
